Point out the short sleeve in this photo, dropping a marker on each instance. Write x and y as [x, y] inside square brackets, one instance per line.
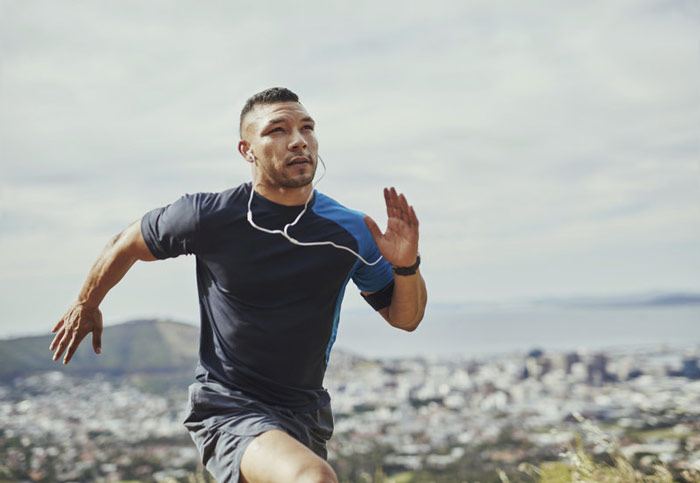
[172, 230]
[368, 278]
[371, 278]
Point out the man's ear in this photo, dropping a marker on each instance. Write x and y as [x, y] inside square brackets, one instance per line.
[244, 149]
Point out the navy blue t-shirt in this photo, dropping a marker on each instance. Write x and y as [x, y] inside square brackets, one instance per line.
[269, 308]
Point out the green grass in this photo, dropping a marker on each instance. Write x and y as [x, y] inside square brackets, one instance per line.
[660, 433]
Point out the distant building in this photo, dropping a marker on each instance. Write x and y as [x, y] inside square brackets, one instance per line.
[563, 362]
[536, 365]
[690, 368]
[597, 370]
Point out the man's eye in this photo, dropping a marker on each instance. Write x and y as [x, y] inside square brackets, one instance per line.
[309, 128]
[277, 129]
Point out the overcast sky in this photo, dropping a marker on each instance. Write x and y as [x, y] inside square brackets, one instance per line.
[550, 148]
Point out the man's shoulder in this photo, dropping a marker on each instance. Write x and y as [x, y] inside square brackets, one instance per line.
[326, 204]
[351, 220]
[213, 203]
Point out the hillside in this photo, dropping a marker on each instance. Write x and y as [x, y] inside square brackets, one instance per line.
[138, 347]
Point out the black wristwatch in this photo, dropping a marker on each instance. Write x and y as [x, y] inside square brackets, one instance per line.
[407, 270]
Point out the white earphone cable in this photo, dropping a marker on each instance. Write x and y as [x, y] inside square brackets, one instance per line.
[284, 231]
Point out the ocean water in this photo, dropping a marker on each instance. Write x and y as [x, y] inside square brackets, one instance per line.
[478, 332]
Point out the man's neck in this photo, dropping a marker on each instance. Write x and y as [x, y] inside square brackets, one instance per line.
[285, 196]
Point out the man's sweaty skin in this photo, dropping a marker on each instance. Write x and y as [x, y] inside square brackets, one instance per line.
[84, 316]
[410, 296]
[276, 140]
[279, 141]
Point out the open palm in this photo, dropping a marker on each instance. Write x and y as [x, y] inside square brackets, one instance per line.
[399, 243]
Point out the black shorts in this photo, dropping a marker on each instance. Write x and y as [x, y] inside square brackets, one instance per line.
[222, 423]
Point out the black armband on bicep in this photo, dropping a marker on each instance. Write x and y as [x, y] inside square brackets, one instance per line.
[381, 298]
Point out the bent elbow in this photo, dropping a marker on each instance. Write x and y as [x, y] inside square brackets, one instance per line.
[112, 242]
[409, 326]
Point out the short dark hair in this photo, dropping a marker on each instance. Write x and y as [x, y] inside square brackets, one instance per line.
[268, 96]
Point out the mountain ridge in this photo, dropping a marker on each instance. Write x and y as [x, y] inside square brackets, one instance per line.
[142, 346]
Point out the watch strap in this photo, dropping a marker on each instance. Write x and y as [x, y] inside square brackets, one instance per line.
[407, 270]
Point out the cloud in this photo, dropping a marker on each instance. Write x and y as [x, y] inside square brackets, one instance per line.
[526, 135]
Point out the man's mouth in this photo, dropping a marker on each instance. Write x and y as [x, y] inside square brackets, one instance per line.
[298, 160]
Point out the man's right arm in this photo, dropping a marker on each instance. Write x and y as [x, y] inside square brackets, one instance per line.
[84, 316]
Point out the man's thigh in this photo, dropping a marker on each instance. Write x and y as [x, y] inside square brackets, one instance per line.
[223, 423]
[274, 456]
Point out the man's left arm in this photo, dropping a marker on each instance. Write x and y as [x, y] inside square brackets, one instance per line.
[399, 246]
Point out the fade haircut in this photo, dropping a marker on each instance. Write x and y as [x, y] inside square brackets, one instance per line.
[268, 96]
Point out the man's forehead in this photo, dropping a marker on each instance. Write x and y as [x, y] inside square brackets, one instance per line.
[262, 114]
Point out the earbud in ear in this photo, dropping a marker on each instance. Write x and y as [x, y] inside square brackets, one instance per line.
[251, 157]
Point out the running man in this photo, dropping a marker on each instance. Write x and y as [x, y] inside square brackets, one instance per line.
[273, 259]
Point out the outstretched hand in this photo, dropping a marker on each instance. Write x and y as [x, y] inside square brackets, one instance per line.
[399, 243]
[70, 331]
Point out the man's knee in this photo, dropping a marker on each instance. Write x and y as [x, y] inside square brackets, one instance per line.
[319, 472]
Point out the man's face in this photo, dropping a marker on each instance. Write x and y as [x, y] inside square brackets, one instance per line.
[281, 136]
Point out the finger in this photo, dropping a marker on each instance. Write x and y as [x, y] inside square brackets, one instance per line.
[74, 343]
[403, 208]
[56, 339]
[97, 340]
[58, 325]
[387, 201]
[414, 218]
[71, 349]
[392, 204]
[61, 347]
[397, 199]
[373, 228]
[69, 353]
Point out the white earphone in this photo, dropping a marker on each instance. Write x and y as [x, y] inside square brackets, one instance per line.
[283, 231]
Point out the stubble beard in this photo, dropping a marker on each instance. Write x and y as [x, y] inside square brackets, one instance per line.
[283, 180]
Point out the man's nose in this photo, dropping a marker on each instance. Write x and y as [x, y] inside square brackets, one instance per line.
[297, 141]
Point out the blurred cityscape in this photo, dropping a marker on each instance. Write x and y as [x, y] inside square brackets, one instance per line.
[452, 419]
